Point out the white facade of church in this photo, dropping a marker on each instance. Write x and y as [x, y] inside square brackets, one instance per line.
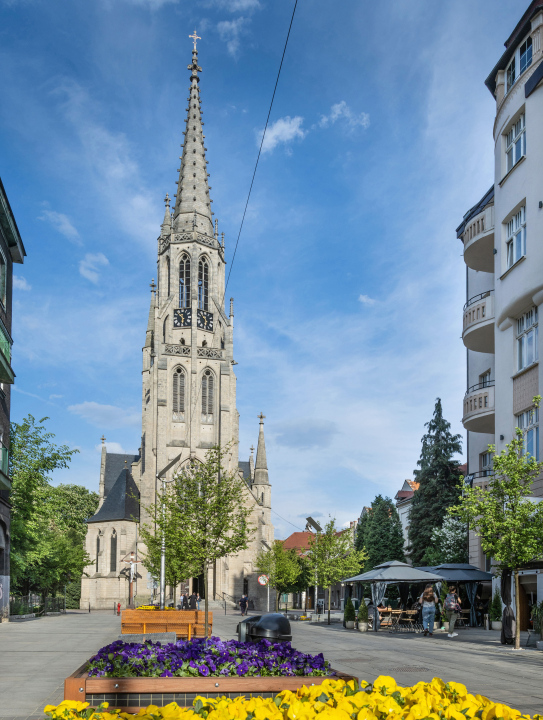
[188, 396]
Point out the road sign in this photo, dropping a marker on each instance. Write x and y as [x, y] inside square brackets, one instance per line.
[263, 579]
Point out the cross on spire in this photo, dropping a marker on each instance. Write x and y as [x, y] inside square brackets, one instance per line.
[167, 200]
[261, 417]
[103, 439]
[252, 449]
[152, 285]
[194, 37]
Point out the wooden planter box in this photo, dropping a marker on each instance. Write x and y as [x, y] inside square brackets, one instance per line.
[132, 694]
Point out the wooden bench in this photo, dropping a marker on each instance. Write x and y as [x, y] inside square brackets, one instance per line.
[184, 623]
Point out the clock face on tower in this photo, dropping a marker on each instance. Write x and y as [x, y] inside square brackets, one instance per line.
[205, 320]
[182, 318]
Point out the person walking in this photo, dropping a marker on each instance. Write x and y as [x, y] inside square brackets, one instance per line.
[428, 600]
[243, 604]
[198, 600]
[452, 609]
[185, 602]
[192, 602]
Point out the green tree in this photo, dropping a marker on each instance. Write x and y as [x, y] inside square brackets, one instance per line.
[332, 557]
[382, 533]
[438, 476]
[282, 567]
[449, 543]
[46, 551]
[509, 524]
[209, 515]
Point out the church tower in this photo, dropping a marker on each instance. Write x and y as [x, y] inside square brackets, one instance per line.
[188, 382]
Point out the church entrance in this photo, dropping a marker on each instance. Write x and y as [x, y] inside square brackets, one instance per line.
[198, 586]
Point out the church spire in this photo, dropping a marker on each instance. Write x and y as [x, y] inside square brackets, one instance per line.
[167, 223]
[192, 198]
[261, 466]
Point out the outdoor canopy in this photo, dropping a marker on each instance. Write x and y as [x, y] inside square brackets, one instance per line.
[395, 572]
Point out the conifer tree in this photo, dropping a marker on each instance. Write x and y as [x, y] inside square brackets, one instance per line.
[382, 533]
[438, 476]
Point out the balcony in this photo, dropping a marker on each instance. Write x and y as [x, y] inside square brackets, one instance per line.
[479, 408]
[478, 323]
[478, 241]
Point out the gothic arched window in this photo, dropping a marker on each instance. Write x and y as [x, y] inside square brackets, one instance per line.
[178, 403]
[164, 329]
[207, 396]
[203, 284]
[113, 553]
[97, 551]
[168, 275]
[184, 281]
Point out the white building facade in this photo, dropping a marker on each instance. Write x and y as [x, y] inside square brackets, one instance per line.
[502, 237]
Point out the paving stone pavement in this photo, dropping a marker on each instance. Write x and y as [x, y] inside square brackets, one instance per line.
[36, 656]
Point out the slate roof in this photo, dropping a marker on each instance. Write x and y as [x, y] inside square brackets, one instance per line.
[245, 468]
[120, 491]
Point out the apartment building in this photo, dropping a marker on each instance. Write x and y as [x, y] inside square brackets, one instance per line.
[502, 237]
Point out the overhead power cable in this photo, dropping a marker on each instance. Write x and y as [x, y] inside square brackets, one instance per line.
[260, 148]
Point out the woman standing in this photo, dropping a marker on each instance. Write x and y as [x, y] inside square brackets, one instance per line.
[452, 608]
[428, 600]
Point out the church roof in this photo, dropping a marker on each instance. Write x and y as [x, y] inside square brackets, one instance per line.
[122, 497]
[245, 468]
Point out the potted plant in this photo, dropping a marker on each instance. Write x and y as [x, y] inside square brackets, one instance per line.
[495, 611]
[349, 614]
[363, 616]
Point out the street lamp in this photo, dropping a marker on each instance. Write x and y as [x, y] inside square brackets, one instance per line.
[162, 476]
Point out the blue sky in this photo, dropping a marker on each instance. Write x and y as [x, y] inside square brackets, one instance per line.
[348, 281]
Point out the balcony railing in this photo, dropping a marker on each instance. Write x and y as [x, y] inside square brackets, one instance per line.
[478, 323]
[479, 408]
[478, 240]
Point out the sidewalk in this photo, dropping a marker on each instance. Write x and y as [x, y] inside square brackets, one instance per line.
[36, 655]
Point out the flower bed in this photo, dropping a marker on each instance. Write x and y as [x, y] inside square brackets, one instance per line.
[331, 700]
[205, 658]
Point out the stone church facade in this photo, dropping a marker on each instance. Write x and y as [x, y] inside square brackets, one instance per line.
[188, 397]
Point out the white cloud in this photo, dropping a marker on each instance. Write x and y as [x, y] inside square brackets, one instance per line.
[20, 283]
[113, 447]
[231, 31]
[366, 300]
[341, 111]
[151, 4]
[237, 5]
[63, 224]
[284, 130]
[89, 266]
[55, 397]
[106, 416]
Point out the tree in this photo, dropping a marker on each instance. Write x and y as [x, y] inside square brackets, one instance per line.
[46, 545]
[208, 512]
[438, 476]
[509, 524]
[281, 566]
[382, 533]
[332, 557]
[449, 543]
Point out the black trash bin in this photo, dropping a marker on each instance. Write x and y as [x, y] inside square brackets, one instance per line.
[274, 627]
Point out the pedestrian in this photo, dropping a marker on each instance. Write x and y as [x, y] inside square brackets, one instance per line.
[243, 604]
[198, 600]
[428, 600]
[452, 609]
[181, 598]
[185, 602]
[192, 602]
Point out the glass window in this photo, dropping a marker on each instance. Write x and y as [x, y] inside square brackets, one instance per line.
[521, 60]
[527, 339]
[516, 237]
[3, 277]
[113, 553]
[511, 74]
[528, 422]
[486, 464]
[168, 275]
[525, 54]
[184, 282]
[515, 142]
[484, 379]
[203, 284]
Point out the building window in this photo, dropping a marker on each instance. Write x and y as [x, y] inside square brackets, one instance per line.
[164, 329]
[3, 279]
[97, 551]
[203, 284]
[515, 142]
[528, 422]
[522, 59]
[184, 282]
[179, 395]
[207, 396]
[168, 275]
[113, 553]
[527, 339]
[484, 379]
[245, 586]
[143, 453]
[516, 237]
[485, 463]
